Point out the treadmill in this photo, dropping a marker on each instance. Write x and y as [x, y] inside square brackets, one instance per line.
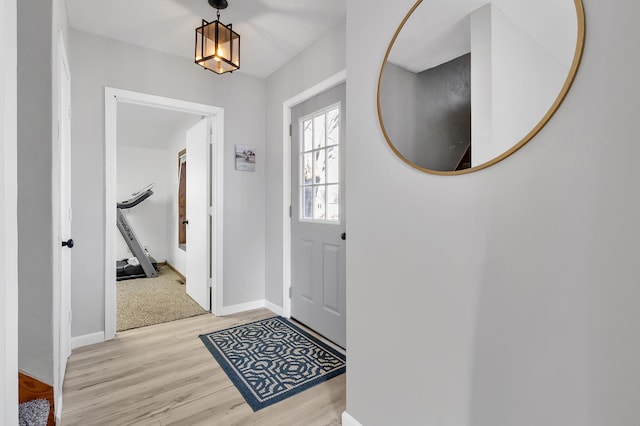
[142, 265]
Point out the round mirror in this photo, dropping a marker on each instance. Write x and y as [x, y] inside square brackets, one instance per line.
[465, 83]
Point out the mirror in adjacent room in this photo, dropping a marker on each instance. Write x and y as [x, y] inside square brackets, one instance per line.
[465, 83]
[182, 200]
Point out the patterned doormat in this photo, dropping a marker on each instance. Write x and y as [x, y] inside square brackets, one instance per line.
[272, 359]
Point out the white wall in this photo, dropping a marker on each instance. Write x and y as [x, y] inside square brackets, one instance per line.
[540, 322]
[321, 60]
[97, 62]
[138, 167]
[35, 248]
[8, 216]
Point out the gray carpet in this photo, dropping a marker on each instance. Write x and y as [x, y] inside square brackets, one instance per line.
[34, 413]
[148, 301]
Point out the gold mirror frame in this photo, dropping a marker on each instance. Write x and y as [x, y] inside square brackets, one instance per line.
[554, 107]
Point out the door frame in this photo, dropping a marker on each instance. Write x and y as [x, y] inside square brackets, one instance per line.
[8, 215]
[112, 98]
[333, 81]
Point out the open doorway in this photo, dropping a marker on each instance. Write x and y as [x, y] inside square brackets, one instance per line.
[145, 135]
[151, 266]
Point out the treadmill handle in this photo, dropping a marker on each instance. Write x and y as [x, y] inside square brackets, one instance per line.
[68, 243]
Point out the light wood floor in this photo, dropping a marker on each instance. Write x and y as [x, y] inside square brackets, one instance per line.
[163, 375]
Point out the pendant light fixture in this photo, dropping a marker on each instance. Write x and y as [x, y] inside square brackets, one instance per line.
[217, 45]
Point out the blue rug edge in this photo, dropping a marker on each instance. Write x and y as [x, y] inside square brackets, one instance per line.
[242, 388]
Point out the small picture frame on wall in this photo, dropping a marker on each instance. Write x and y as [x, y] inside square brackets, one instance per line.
[246, 158]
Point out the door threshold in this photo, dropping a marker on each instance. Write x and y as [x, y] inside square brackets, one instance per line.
[319, 336]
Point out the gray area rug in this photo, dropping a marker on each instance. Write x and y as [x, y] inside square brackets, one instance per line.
[34, 413]
[148, 301]
[273, 359]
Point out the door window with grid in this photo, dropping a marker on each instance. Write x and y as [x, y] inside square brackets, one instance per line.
[319, 174]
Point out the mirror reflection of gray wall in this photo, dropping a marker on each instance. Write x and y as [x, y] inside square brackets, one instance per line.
[428, 114]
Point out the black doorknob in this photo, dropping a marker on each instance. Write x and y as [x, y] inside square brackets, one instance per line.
[343, 235]
[68, 243]
[185, 222]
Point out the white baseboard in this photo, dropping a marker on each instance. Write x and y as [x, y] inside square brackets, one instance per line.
[347, 420]
[90, 339]
[87, 339]
[273, 307]
[242, 307]
[256, 304]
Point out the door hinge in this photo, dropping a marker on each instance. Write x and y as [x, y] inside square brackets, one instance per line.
[210, 282]
[290, 130]
[210, 138]
[290, 292]
[290, 212]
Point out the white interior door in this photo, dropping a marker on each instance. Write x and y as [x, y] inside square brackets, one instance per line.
[64, 225]
[318, 219]
[65, 255]
[198, 213]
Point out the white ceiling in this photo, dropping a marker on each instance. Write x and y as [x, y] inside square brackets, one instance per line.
[148, 127]
[271, 31]
[439, 30]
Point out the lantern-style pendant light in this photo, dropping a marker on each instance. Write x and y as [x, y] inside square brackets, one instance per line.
[217, 45]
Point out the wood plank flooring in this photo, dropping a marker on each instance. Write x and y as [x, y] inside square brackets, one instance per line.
[163, 375]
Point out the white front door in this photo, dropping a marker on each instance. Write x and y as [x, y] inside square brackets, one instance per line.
[318, 214]
[198, 213]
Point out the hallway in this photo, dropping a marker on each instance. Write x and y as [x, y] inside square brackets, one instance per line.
[163, 374]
